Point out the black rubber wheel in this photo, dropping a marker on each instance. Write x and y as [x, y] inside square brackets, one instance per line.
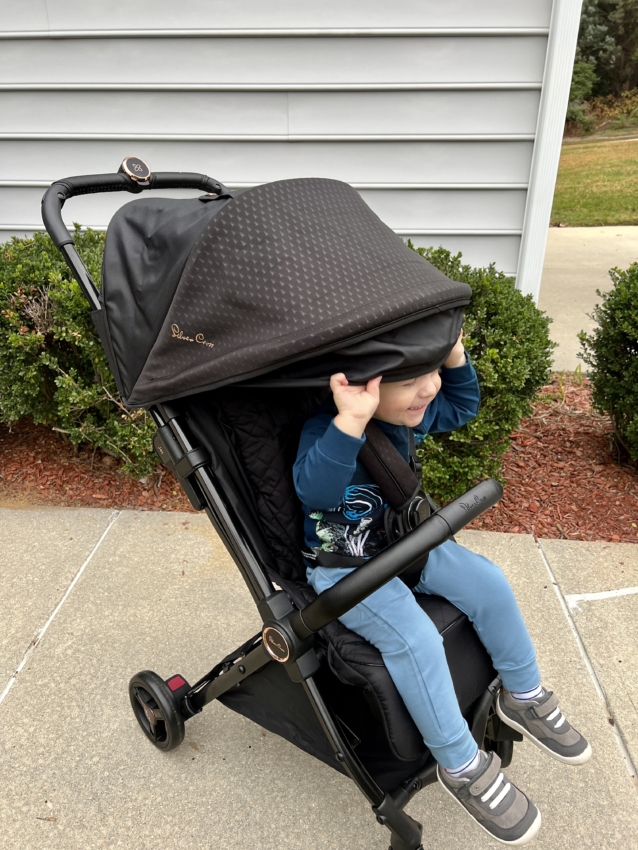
[504, 750]
[156, 710]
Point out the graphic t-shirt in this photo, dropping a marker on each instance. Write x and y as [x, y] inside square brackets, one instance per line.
[343, 508]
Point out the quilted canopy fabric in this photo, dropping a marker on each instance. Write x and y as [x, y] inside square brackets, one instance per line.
[281, 284]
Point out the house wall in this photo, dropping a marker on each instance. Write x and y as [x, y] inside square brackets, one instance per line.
[429, 109]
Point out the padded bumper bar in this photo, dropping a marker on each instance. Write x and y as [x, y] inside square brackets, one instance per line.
[399, 556]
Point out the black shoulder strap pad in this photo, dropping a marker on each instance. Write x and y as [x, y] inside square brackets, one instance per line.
[396, 479]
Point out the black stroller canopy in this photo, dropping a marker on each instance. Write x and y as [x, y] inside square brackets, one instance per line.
[281, 285]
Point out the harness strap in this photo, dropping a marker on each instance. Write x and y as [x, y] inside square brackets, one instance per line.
[396, 479]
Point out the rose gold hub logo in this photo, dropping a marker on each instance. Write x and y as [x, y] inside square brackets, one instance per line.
[176, 333]
[275, 644]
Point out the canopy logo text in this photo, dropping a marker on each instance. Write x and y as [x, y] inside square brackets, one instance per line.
[176, 333]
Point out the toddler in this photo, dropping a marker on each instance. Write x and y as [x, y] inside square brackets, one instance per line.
[344, 526]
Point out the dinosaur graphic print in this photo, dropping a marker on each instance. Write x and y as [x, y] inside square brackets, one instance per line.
[355, 527]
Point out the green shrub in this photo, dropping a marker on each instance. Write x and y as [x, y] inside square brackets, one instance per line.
[579, 118]
[53, 369]
[52, 366]
[507, 338]
[612, 352]
[583, 80]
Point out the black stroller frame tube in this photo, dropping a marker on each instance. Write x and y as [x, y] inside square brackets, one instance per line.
[406, 832]
[219, 514]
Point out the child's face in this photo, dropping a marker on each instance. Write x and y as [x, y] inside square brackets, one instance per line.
[405, 402]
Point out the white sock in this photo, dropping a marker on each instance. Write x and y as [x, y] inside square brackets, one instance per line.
[472, 764]
[524, 696]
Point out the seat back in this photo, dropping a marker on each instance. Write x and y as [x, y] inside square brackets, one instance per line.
[263, 427]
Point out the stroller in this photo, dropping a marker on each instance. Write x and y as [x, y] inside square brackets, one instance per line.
[224, 316]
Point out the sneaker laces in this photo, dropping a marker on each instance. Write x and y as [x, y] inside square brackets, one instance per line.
[493, 788]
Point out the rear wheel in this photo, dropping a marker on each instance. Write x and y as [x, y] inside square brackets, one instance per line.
[156, 710]
[504, 750]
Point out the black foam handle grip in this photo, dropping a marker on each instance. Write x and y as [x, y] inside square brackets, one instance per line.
[89, 184]
[399, 556]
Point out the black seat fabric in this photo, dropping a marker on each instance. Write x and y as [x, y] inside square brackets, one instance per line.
[256, 432]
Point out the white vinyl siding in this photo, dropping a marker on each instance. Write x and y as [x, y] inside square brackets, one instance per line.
[167, 15]
[429, 109]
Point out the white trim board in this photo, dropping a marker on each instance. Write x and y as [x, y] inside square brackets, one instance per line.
[559, 62]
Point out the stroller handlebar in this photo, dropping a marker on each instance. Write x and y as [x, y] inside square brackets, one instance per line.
[60, 191]
[399, 556]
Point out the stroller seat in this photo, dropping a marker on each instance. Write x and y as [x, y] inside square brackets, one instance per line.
[256, 432]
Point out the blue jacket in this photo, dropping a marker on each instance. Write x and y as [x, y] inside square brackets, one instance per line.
[343, 508]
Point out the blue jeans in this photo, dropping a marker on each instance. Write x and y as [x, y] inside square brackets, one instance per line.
[412, 648]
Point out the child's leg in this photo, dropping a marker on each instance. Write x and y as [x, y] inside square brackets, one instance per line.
[479, 588]
[412, 650]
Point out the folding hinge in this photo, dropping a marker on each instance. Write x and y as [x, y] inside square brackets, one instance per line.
[182, 464]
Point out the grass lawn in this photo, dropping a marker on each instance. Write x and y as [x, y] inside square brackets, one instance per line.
[597, 184]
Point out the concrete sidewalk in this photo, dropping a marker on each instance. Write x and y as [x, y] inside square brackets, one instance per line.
[577, 262]
[158, 591]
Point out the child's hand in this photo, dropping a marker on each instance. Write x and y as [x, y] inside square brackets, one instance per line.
[356, 404]
[457, 355]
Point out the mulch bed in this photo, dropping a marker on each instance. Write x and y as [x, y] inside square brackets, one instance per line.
[38, 467]
[563, 479]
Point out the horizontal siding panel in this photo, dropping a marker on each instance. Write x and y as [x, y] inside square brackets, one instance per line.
[275, 60]
[400, 209]
[270, 113]
[231, 14]
[22, 206]
[7, 235]
[448, 209]
[145, 112]
[459, 112]
[23, 15]
[477, 250]
[261, 162]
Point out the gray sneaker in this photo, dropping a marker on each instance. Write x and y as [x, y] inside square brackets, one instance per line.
[498, 806]
[541, 721]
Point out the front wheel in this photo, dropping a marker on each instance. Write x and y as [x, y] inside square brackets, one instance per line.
[156, 710]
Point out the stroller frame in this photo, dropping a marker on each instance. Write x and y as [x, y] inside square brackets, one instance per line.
[288, 633]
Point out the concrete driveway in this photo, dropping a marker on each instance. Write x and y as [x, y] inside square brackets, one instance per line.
[577, 263]
[90, 597]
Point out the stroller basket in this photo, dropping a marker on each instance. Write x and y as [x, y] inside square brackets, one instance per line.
[224, 317]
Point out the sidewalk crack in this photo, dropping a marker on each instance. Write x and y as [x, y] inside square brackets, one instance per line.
[613, 722]
[35, 641]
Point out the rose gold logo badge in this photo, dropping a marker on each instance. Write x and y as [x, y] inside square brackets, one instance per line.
[176, 333]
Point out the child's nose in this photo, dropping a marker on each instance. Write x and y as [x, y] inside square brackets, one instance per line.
[429, 388]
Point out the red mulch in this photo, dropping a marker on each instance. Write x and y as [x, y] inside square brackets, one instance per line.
[562, 479]
[38, 467]
[563, 476]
